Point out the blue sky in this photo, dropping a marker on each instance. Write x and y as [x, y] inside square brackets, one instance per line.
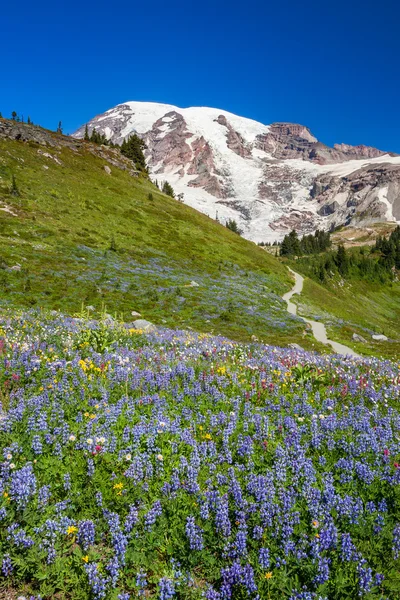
[333, 66]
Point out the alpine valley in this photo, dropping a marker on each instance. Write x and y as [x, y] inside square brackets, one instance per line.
[269, 178]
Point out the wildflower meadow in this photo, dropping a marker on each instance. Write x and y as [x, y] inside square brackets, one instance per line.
[182, 465]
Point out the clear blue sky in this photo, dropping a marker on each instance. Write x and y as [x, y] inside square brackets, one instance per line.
[333, 66]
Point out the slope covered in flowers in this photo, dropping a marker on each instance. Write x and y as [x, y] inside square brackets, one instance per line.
[177, 465]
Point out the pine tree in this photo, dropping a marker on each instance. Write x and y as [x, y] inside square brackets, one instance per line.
[1, 116]
[14, 191]
[168, 189]
[133, 148]
[86, 136]
[233, 226]
[342, 261]
[29, 120]
[59, 128]
[14, 115]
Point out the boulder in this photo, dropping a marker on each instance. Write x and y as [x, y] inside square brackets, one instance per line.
[379, 337]
[143, 324]
[359, 338]
[194, 284]
[134, 313]
[107, 169]
[295, 346]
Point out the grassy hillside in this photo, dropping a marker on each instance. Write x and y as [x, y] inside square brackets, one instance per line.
[349, 307]
[56, 239]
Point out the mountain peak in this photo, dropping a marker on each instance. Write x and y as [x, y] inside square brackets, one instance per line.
[269, 178]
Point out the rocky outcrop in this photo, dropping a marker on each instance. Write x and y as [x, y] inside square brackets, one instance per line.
[356, 152]
[34, 134]
[234, 140]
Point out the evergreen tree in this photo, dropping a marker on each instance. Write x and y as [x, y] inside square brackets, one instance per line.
[14, 191]
[86, 136]
[233, 226]
[342, 261]
[29, 120]
[59, 128]
[14, 115]
[133, 149]
[168, 189]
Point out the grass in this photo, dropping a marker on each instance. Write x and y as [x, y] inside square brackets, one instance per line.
[356, 307]
[55, 250]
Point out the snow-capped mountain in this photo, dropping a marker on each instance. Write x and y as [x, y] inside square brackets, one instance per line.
[269, 178]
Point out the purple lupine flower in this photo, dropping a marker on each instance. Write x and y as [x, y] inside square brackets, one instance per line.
[37, 445]
[44, 494]
[141, 583]
[167, 588]
[23, 485]
[365, 577]
[86, 534]
[67, 482]
[6, 565]
[151, 516]
[396, 542]
[131, 519]
[194, 534]
[263, 558]
[97, 582]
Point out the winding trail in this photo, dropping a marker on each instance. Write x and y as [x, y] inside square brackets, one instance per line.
[318, 329]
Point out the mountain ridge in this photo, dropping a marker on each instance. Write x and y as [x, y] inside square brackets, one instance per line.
[270, 178]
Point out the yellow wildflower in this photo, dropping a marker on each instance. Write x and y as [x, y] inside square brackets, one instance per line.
[85, 558]
[71, 530]
[268, 575]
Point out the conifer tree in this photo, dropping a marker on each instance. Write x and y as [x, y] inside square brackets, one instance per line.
[233, 226]
[14, 115]
[86, 136]
[14, 191]
[59, 128]
[168, 189]
[133, 148]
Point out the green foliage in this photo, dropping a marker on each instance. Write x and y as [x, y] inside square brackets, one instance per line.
[98, 138]
[309, 244]
[14, 191]
[232, 225]
[64, 231]
[168, 189]
[113, 244]
[133, 148]
[377, 263]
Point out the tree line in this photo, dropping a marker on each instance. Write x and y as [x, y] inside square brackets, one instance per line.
[309, 244]
[377, 263]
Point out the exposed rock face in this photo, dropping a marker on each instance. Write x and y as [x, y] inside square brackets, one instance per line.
[270, 179]
[37, 135]
[234, 140]
[358, 151]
